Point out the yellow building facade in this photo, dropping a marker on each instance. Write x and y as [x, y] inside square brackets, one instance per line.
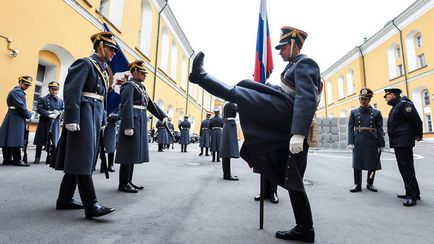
[43, 38]
[399, 55]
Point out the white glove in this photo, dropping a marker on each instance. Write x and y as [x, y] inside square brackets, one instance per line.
[103, 128]
[72, 127]
[56, 112]
[165, 119]
[350, 146]
[52, 116]
[296, 144]
[381, 149]
[129, 132]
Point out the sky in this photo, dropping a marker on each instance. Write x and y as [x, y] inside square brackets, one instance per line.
[225, 30]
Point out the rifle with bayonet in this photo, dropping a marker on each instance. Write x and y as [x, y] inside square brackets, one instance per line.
[26, 140]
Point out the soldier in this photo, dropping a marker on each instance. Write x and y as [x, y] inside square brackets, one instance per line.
[205, 135]
[404, 126]
[172, 129]
[110, 138]
[216, 126]
[184, 127]
[276, 147]
[365, 138]
[84, 96]
[163, 137]
[229, 141]
[132, 147]
[49, 107]
[14, 123]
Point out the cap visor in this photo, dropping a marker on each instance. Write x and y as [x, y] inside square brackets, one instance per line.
[280, 45]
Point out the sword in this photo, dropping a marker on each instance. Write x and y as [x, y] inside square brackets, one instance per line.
[371, 176]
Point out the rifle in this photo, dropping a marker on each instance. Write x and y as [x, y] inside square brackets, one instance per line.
[26, 140]
[49, 145]
[371, 176]
[104, 166]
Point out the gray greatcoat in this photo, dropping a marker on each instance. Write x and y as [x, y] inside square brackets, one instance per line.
[184, 127]
[134, 149]
[366, 143]
[171, 128]
[47, 105]
[216, 126]
[229, 144]
[205, 134]
[163, 135]
[110, 132]
[77, 151]
[14, 123]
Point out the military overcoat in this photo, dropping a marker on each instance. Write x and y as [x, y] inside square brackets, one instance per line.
[216, 127]
[46, 105]
[229, 144]
[184, 128]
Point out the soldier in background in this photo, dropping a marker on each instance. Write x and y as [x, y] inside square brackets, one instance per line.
[14, 123]
[184, 128]
[132, 145]
[365, 138]
[216, 126]
[50, 108]
[84, 97]
[162, 135]
[205, 135]
[110, 138]
[229, 142]
[172, 129]
[404, 127]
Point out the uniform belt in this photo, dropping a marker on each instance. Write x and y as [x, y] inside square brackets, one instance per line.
[219, 128]
[364, 128]
[229, 119]
[139, 107]
[12, 107]
[93, 95]
[184, 128]
[204, 128]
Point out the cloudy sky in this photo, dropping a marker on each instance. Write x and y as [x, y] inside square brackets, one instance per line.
[225, 30]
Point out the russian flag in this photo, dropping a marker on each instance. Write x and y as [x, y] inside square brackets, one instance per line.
[119, 67]
[264, 58]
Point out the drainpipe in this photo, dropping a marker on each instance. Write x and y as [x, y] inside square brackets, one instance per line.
[403, 57]
[325, 97]
[156, 56]
[201, 105]
[188, 85]
[363, 66]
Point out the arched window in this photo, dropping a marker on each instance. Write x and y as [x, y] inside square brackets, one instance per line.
[414, 45]
[427, 117]
[146, 29]
[164, 49]
[170, 111]
[113, 11]
[351, 87]
[395, 61]
[329, 92]
[180, 116]
[184, 73]
[173, 60]
[341, 89]
[160, 104]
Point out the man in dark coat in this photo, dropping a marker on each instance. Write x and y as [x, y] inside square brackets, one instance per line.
[216, 127]
[14, 123]
[50, 108]
[162, 137]
[84, 97]
[229, 142]
[365, 138]
[184, 128]
[172, 129]
[276, 147]
[110, 138]
[205, 135]
[404, 127]
[132, 145]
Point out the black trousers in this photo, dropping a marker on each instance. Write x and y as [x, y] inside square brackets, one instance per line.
[7, 155]
[358, 177]
[160, 147]
[85, 188]
[269, 188]
[404, 156]
[38, 152]
[126, 174]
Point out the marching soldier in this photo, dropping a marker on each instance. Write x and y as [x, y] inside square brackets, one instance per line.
[292, 107]
[162, 136]
[110, 138]
[172, 129]
[205, 135]
[14, 123]
[365, 138]
[184, 127]
[50, 108]
[404, 127]
[132, 146]
[216, 126]
[84, 97]
[229, 142]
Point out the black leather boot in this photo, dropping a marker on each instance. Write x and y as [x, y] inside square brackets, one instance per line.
[299, 233]
[87, 193]
[38, 155]
[7, 156]
[212, 85]
[185, 147]
[131, 179]
[206, 151]
[201, 151]
[370, 181]
[66, 193]
[160, 147]
[124, 179]
[213, 157]
[111, 159]
[16, 157]
[357, 181]
[226, 165]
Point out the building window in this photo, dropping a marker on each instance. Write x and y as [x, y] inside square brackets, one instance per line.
[428, 122]
[165, 49]
[173, 60]
[418, 40]
[350, 82]
[329, 92]
[425, 97]
[112, 10]
[146, 30]
[341, 93]
[40, 79]
[399, 70]
[398, 52]
[184, 74]
[421, 61]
